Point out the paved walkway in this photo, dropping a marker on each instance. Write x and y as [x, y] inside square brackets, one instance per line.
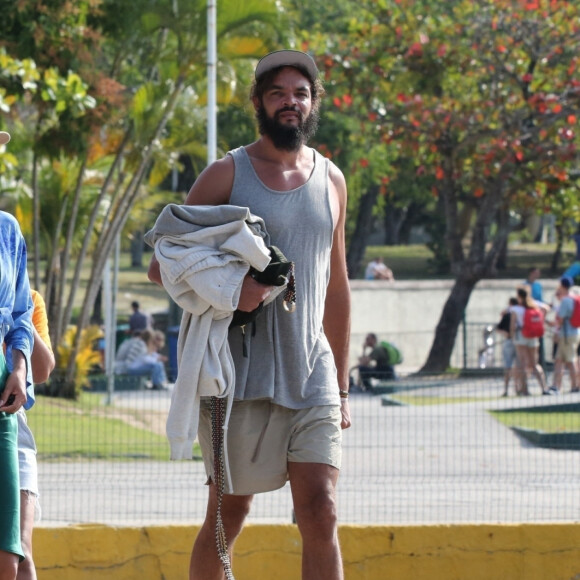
[444, 463]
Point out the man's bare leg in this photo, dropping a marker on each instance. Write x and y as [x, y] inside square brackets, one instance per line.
[26, 568]
[573, 378]
[558, 372]
[205, 563]
[314, 495]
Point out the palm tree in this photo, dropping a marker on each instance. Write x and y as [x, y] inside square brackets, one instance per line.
[147, 139]
[107, 116]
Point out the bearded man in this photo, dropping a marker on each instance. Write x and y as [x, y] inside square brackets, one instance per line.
[291, 391]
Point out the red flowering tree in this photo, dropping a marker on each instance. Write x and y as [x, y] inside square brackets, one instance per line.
[483, 96]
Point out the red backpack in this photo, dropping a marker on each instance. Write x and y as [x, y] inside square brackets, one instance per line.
[533, 326]
[575, 318]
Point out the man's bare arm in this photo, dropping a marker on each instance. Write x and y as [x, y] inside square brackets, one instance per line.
[212, 187]
[337, 306]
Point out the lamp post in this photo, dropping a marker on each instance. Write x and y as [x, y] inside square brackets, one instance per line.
[211, 81]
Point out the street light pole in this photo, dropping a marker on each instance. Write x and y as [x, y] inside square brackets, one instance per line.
[211, 81]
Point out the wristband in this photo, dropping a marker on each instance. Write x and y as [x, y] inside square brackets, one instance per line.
[343, 394]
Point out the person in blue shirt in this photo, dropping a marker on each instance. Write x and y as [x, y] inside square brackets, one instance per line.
[15, 385]
[573, 271]
[532, 281]
[567, 339]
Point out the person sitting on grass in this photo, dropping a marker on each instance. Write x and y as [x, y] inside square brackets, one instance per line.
[378, 270]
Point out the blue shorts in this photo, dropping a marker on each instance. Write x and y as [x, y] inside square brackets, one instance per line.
[508, 351]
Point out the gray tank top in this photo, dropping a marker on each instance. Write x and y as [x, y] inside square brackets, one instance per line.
[289, 359]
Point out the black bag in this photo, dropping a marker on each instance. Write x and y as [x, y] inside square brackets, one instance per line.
[276, 273]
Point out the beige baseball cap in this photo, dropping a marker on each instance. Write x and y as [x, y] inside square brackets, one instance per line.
[4, 137]
[293, 58]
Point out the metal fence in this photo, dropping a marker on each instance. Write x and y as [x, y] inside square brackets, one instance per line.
[434, 450]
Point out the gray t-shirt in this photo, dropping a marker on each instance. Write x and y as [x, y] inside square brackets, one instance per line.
[289, 359]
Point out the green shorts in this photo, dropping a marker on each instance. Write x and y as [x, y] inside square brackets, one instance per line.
[9, 480]
[264, 437]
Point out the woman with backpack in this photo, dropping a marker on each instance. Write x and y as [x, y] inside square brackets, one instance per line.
[527, 326]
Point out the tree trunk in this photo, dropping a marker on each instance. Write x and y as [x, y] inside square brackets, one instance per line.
[97, 315]
[479, 263]
[35, 223]
[558, 251]
[503, 218]
[115, 220]
[394, 218]
[412, 215]
[446, 331]
[358, 241]
[137, 249]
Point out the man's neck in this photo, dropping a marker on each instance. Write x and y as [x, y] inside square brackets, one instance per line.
[264, 149]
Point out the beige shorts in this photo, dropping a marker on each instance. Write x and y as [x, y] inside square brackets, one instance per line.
[567, 348]
[264, 437]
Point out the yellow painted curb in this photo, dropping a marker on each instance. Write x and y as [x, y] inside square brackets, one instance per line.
[454, 552]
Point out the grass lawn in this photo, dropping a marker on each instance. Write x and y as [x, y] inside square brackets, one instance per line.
[426, 400]
[88, 429]
[557, 422]
[412, 262]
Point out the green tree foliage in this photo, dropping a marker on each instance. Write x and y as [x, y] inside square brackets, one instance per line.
[141, 68]
[381, 180]
[483, 96]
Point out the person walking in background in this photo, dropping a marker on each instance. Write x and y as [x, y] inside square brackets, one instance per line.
[291, 370]
[15, 381]
[508, 348]
[573, 271]
[42, 363]
[526, 347]
[533, 282]
[378, 270]
[138, 321]
[567, 339]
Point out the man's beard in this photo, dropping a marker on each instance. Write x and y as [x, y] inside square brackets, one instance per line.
[285, 137]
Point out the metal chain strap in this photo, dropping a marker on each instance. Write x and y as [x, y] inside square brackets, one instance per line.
[217, 435]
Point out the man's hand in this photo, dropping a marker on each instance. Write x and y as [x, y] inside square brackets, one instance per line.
[14, 394]
[345, 411]
[252, 294]
[154, 273]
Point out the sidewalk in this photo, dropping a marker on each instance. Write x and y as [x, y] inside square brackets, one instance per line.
[430, 463]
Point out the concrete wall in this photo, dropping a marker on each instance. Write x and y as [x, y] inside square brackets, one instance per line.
[477, 552]
[407, 312]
